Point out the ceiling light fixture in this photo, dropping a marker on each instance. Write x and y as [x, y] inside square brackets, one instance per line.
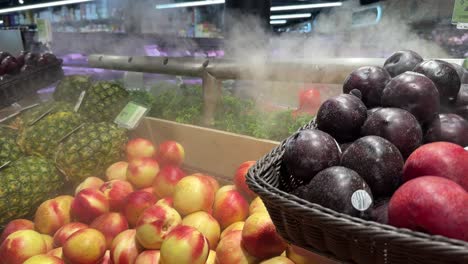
[43, 5]
[190, 4]
[278, 22]
[306, 6]
[305, 15]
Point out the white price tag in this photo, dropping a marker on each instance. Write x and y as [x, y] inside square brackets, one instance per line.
[361, 200]
[131, 115]
[462, 25]
[80, 101]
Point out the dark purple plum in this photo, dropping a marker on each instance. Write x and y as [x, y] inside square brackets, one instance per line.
[449, 128]
[27, 68]
[402, 61]
[22, 58]
[31, 59]
[10, 64]
[356, 93]
[397, 126]
[377, 161]
[342, 117]
[371, 81]
[444, 76]
[308, 152]
[3, 55]
[379, 212]
[462, 111]
[372, 110]
[344, 146]
[462, 98]
[460, 71]
[50, 57]
[340, 189]
[415, 93]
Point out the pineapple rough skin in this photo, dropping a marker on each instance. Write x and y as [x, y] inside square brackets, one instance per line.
[90, 150]
[9, 150]
[70, 88]
[24, 185]
[42, 138]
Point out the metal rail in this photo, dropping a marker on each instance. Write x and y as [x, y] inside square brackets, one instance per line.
[212, 70]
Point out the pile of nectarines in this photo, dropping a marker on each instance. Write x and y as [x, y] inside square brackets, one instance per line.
[150, 211]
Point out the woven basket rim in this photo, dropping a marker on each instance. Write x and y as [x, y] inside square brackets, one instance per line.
[267, 161]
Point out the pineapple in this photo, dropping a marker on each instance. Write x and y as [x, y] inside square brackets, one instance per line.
[24, 184]
[90, 150]
[30, 115]
[104, 101]
[70, 88]
[43, 137]
[9, 150]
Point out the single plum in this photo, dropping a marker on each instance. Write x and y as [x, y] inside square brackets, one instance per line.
[370, 80]
[342, 117]
[448, 128]
[377, 161]
[397, 126]
[462, 98]
[340, 189]
[308, 152]
[402, 61]
[4, 54]
[415, 93]
[444, 76]
[10, 65]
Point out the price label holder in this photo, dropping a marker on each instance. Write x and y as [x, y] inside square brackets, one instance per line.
[460, 14]
[131, 116]
[80, 100]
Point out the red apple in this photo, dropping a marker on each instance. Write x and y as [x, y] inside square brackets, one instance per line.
[140, 148]
[432, 204]
[184, 245]
[116, 192]
[89, 241]
[239, 179]
[154, 225]
[125, 248]
[230, 207]
[89, 204]
[16, 225]
[110, 225]
[171, 153]
[142, 172]
[135, 204]
[259, 237]
[117, 171]
[166, 180]
[21, 245]
[438, 159]
[66, 231]
[192, 194]
[148, 257]
[90, 182]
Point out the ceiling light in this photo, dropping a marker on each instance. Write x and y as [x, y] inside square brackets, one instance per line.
[307, 6]
[43, 5]
[21, 2]
[305, 15]
[278, 22]
[191, 4]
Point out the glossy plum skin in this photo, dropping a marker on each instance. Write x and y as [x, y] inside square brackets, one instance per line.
[379, 213]
[333, 188]
[370, 80]
[396, 125]
[342, 117]
[449, 128]
[402, 61]
[308, 152]
[462, 98]
[431, 204]
[444, 76]
[426, 160]
[414, 93]
[377, 161]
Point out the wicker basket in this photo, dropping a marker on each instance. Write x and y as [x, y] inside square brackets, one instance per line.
[340, 236]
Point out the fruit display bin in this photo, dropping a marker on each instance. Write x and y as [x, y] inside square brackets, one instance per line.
[26, 83]
[341, 236]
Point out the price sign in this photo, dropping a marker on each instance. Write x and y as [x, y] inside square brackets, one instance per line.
[131, 115]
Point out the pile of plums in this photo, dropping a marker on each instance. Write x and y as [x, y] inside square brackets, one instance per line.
[360, 159]
[25, 61]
